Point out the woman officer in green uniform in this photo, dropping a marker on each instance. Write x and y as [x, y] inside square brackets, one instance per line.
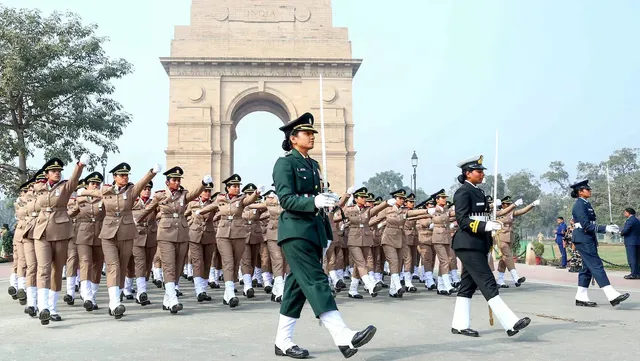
[303, 232]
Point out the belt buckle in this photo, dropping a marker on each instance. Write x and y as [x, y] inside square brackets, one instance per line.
[117, 214]
[34, 214]
[229, 217]
[361, 226]
[175, 215]
[48, 209]
[248, 222]
[93, 220]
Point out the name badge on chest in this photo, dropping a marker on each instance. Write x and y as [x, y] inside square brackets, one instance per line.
[57, 193]
[124, 196]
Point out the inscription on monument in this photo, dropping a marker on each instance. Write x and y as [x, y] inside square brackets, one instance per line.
[263, 14]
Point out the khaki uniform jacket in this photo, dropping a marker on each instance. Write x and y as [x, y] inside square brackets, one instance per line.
[231, 224]
[360, 234]
[53, 222]
[170, 208]
[253, 225]
[201, 227]
[506, 233]
[88, 213]
[424, 233]
[393, 234]
[442, 219]
[32, 211]
[146, 227]
[118, 204]
[20, 206]
[410, 233]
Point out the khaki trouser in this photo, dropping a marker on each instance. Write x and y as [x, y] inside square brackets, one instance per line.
[231, 251]
[201, 255]
[250, 258]
[216, 260]
[51, 257]
[443, 257]
[407, 257]
[72, 258]
[265, 261]
[334, 258]
[427, 255]
[14, 269]
[360, 255]
[117, 255]
[142, 260]
[278, 263]
[172, 255]
[346, 260]
[19, 259]
[91, 259]
[393, 256]
[453, 264]
[157, 262]
[378, 259]
[506, 261]
[28, 246]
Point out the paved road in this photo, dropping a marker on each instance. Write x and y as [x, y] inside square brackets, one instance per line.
[413, 328]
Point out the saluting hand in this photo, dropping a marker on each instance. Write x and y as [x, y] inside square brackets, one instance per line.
[84, 159]
[207, 179]
[156, 169]
[324, 201]
[518, 203]
[260, 189]
[391, 202]
[351, 190]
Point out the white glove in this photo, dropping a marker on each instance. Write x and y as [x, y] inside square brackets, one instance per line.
[273, 195]
[197, 212]
[261, 188]
[452, 226]
[323, 200]
[577, 225]
[613, 228]
[207, 179]
[536, 203]
[518, 203]
[84, 159]
[431, 211]
[350, 201]
[497, 202]
[156, 169]
[391, 202]
[351, 190]
[492, 226]
[380, 225]
[431, 226]
[79, 192]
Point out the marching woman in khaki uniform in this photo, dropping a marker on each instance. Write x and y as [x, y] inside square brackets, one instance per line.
[507, 217]
[231, 233]
[441, 240]
[173, 230]
[411, 246]
[119, 228]
[376, 251]
[20, 205]
[52, 233]
[334, 256]
[424, 226]
[145, 244]
[251, 260]
[393, 237]
[89, 215]
[28, 244]
[73, 266]
[360, 242]
[215, 264]
[202, 240]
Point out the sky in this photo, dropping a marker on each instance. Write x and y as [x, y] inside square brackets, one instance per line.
[559, 80]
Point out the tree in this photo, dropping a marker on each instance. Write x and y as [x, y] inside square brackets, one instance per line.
[54, 91]
[487, 186]
[7, 213]
[383, 183]
[557, 176]
[523, 184]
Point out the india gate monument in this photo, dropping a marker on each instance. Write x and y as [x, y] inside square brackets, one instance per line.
[241, 56]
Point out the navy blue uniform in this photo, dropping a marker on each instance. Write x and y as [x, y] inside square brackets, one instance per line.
[586, 243]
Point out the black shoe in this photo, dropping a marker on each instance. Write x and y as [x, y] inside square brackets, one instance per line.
[175, 308]
[31, 311]
[234, 302]
[95, 307]
[118, 312]
[466, 332]
[56, 318]
[415, 277]
[44, 317]
[504, 285]
[586, 303]
[178, 293]
[77, 288]
[206, 296]
[259, 285]
[249, 293]
[13, 292]
[455, 284]
[619, 299]
[88, 305]
[396, 295]
[433, 287]
[356, 296]
[522, 323]
[520, 281]
[279, 299]
[412, 289]
[69, 300]
[22, 296]
[268, 289]
[359, 339]
[384, 285]
[190, 278]
[158, 283]
[340, 285]
[143, 300]
[254, 283]
[293, 352]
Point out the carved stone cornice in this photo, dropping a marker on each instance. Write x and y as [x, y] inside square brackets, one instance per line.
[285, 67]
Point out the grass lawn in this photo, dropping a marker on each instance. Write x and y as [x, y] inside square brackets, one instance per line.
[614, 253]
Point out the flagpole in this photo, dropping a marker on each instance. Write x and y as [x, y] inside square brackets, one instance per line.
[495, 181]
[609, 191]
[322, 137]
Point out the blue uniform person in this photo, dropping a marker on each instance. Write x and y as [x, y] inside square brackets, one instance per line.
[560, 233]
[303, 232]
[586, 243]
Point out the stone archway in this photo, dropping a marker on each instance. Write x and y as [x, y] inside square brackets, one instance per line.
[241, 56]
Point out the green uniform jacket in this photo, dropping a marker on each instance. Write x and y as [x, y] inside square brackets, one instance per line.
[297, 182]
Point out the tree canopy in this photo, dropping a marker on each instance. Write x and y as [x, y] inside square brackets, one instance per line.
[55, 91]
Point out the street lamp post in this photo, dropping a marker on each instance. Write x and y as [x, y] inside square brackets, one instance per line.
[103, 161]
[414, 164]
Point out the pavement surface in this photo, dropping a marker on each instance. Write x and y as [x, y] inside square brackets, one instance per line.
[416, 327]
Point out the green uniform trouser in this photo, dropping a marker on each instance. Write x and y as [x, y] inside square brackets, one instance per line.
[307, 280]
